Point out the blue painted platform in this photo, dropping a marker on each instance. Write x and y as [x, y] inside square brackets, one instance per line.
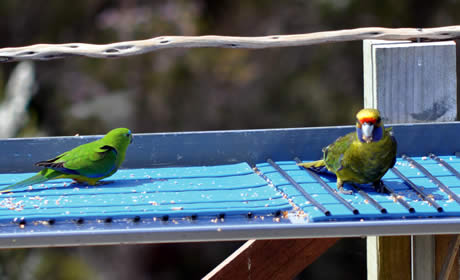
[211, 186]
[223, 191]
[146, 193]
[394, 210]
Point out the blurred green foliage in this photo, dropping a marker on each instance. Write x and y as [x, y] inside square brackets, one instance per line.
[191, 89]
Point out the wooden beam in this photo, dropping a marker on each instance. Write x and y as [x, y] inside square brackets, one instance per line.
[271, 259]
[447, 261]
[388, 257]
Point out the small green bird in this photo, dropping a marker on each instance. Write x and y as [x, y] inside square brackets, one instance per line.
[363, 156]
[87, 163]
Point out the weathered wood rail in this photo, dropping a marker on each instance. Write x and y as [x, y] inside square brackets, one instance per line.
[128, 48]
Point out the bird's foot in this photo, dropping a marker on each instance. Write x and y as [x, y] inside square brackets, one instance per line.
[98, 183]
[343, 191]
[340, 187]
[81, 183]
[101, 183]
[380, 187]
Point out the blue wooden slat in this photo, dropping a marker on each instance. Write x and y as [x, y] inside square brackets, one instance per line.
[446, 165]
[207, 190]
[366, 210]
[432, 178]
[299, 188]
[213, 190]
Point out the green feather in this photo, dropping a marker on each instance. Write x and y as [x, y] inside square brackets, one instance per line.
[313, 164]
[355, 161]
[87, 163]
[42, 176]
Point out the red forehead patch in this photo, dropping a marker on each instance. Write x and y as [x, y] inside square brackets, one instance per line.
[367, 120]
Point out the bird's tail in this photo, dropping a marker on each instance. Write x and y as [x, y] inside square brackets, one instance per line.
[40, 177]
[313, 164]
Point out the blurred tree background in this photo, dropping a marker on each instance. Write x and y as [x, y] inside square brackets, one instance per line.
[192, 89]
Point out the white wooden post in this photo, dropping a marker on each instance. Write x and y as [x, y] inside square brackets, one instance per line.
[409, 82]
[423, 257]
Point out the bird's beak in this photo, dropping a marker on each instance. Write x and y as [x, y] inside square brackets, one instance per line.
[367, 129]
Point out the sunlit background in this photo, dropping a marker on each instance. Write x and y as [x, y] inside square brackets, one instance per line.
[187, 90]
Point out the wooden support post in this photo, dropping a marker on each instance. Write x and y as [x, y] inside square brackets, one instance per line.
[409, 82]
[271, 259]
[447, 257]
[388, 257]
[423, 254]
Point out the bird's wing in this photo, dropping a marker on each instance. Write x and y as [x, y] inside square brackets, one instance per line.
[92, 160]
[334, 153]
[394, 146]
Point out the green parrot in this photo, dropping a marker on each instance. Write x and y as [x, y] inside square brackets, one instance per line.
[360, 157]
[87, 163]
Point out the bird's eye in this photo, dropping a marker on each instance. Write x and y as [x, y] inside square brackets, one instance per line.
[128, 134]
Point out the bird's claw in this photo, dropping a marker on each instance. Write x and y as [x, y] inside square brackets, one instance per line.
[101, 183]
[98, 183]
[380, 187]
[343, 191]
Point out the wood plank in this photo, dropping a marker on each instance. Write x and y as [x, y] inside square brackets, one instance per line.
[447, 257]
[423, 255]
[389, 257]
[271, 259]
[411, 82]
